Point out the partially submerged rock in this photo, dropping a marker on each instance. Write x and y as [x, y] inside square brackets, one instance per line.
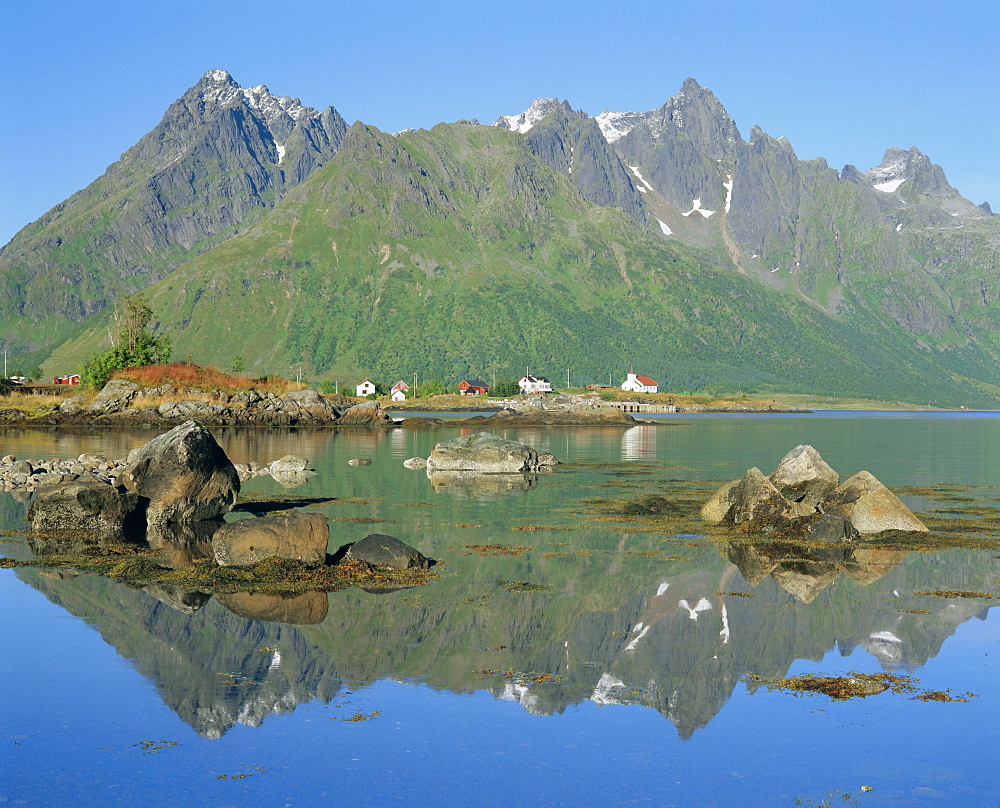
[803, 476]
[85, 505]
[485, 453]
[753, 497]
[182, 475]
[370, 413]
[296, 535]
[387, 551]
[871, 506]
[289, 463]
[802, 497]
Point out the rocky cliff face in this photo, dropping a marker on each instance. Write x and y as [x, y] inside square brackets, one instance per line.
[218, 160]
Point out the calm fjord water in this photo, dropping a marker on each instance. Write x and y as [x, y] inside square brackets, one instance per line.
[603, 664]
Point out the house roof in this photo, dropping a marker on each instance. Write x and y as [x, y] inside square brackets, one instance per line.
[534, 379]
[647, 381]
[401, 385]
[475, 383]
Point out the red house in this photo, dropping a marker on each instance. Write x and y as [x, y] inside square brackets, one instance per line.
[71, 379]
[472, 387]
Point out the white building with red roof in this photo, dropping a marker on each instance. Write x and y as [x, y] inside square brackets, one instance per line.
[640, 384]
[399, 391]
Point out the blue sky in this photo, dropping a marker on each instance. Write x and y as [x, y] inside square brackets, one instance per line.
[80, 82]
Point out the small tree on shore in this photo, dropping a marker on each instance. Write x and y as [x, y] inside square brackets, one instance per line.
[134, 346]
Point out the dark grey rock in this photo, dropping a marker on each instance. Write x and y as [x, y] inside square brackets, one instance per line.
[387, 551]
[832, 528]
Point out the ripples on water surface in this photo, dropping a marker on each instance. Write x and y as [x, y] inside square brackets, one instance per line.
[606, 662]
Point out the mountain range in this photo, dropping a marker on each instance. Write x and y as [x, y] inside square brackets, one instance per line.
[554, 240]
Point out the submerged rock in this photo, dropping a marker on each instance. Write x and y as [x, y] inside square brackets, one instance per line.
[483, 487]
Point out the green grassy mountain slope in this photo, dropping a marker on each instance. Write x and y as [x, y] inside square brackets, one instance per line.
[218, 160]
[462, 251]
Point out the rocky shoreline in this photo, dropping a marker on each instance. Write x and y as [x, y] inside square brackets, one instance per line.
[125, 404]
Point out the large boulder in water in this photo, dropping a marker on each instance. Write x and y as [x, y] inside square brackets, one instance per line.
[803, 476]
[482, 452]
[297, 536]
[871, 506]
[183, 475]
[88, 505]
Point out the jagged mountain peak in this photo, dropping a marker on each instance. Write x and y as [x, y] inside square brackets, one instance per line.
[218, 89]
[896, 166]
[537, 110]
[902, 170]
[692, 108]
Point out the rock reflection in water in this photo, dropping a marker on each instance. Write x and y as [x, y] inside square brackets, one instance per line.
[483, 487]
[309, 608]
[183, 544]
[805, 571]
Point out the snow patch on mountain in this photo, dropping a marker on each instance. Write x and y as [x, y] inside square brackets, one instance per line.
[665, 228]
[728, 185]
[260, 99]
[522, 123]
[889, 186]
[696, 207]
[638, 176]
[615, 125]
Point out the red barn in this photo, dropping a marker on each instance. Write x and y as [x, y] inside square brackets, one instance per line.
[472, 387]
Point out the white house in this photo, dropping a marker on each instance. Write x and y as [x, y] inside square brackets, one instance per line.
[639, 384]
[399, 391]
[534, 384]
[366, 388]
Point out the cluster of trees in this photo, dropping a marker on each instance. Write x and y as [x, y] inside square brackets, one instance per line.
[134, 346]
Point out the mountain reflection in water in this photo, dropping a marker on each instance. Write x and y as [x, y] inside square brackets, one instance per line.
[677, 643]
